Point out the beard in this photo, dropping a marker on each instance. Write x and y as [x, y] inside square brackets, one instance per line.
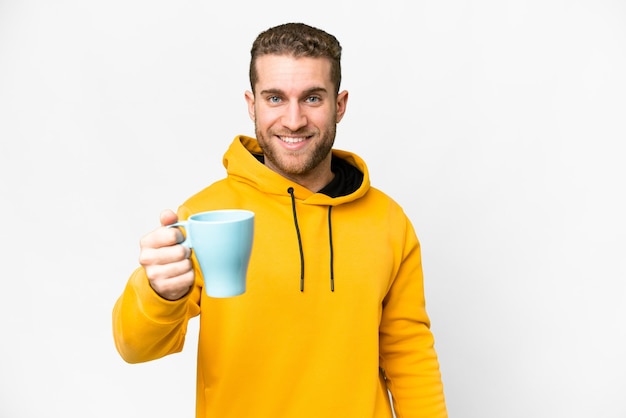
[297, 163]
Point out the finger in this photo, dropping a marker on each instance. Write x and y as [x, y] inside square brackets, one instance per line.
[159, 272]
[162, 237]
[175, 287]
[168, 217]
[165, 255]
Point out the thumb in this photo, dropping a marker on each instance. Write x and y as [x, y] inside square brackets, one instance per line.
[168, 217]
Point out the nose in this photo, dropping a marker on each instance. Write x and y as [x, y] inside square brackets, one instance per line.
[294, 118]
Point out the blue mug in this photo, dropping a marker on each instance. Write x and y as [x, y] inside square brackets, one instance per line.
[222, 242]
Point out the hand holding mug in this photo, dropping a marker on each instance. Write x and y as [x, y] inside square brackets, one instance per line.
[222, 244]
[165, 261]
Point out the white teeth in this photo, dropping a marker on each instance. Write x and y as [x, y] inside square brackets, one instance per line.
[291, 140]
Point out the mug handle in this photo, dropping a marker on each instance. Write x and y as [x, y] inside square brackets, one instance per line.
[182, 224]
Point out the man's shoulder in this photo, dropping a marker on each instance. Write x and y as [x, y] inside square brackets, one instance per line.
[211, 197]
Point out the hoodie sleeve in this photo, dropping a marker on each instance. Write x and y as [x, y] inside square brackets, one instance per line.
[146, 326]
[407, 352]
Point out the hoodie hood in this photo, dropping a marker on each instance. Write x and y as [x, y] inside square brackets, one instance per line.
[242, 164]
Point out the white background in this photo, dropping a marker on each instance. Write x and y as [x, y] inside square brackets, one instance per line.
[498, 125]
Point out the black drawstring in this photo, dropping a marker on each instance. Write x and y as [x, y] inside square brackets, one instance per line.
[295, 221]
[330, 237]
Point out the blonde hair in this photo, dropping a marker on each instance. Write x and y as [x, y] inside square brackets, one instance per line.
[297, 40]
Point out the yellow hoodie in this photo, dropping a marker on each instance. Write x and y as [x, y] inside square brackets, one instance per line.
[333, 315]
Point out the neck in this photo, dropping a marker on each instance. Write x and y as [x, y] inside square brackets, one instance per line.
[313, 180]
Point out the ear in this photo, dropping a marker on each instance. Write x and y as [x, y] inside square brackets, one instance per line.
[342, 102]
[250, 100]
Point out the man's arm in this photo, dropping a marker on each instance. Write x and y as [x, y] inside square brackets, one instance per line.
[407, 351]
[150, 318]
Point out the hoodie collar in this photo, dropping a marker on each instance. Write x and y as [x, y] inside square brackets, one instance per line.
[242, 164]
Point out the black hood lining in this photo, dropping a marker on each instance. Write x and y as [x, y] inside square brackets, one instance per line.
[347, 177]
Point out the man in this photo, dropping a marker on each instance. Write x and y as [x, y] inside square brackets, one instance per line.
[334, 313]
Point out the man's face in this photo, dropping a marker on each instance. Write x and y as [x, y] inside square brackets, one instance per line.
[295, 111]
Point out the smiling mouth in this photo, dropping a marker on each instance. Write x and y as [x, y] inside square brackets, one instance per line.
[293, 139]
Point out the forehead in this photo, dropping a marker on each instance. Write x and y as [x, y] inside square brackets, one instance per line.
[286, 72]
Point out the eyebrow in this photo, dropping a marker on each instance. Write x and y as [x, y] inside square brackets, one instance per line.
[307, 92]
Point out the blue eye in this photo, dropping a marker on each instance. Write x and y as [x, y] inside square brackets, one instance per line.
[273, 99]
